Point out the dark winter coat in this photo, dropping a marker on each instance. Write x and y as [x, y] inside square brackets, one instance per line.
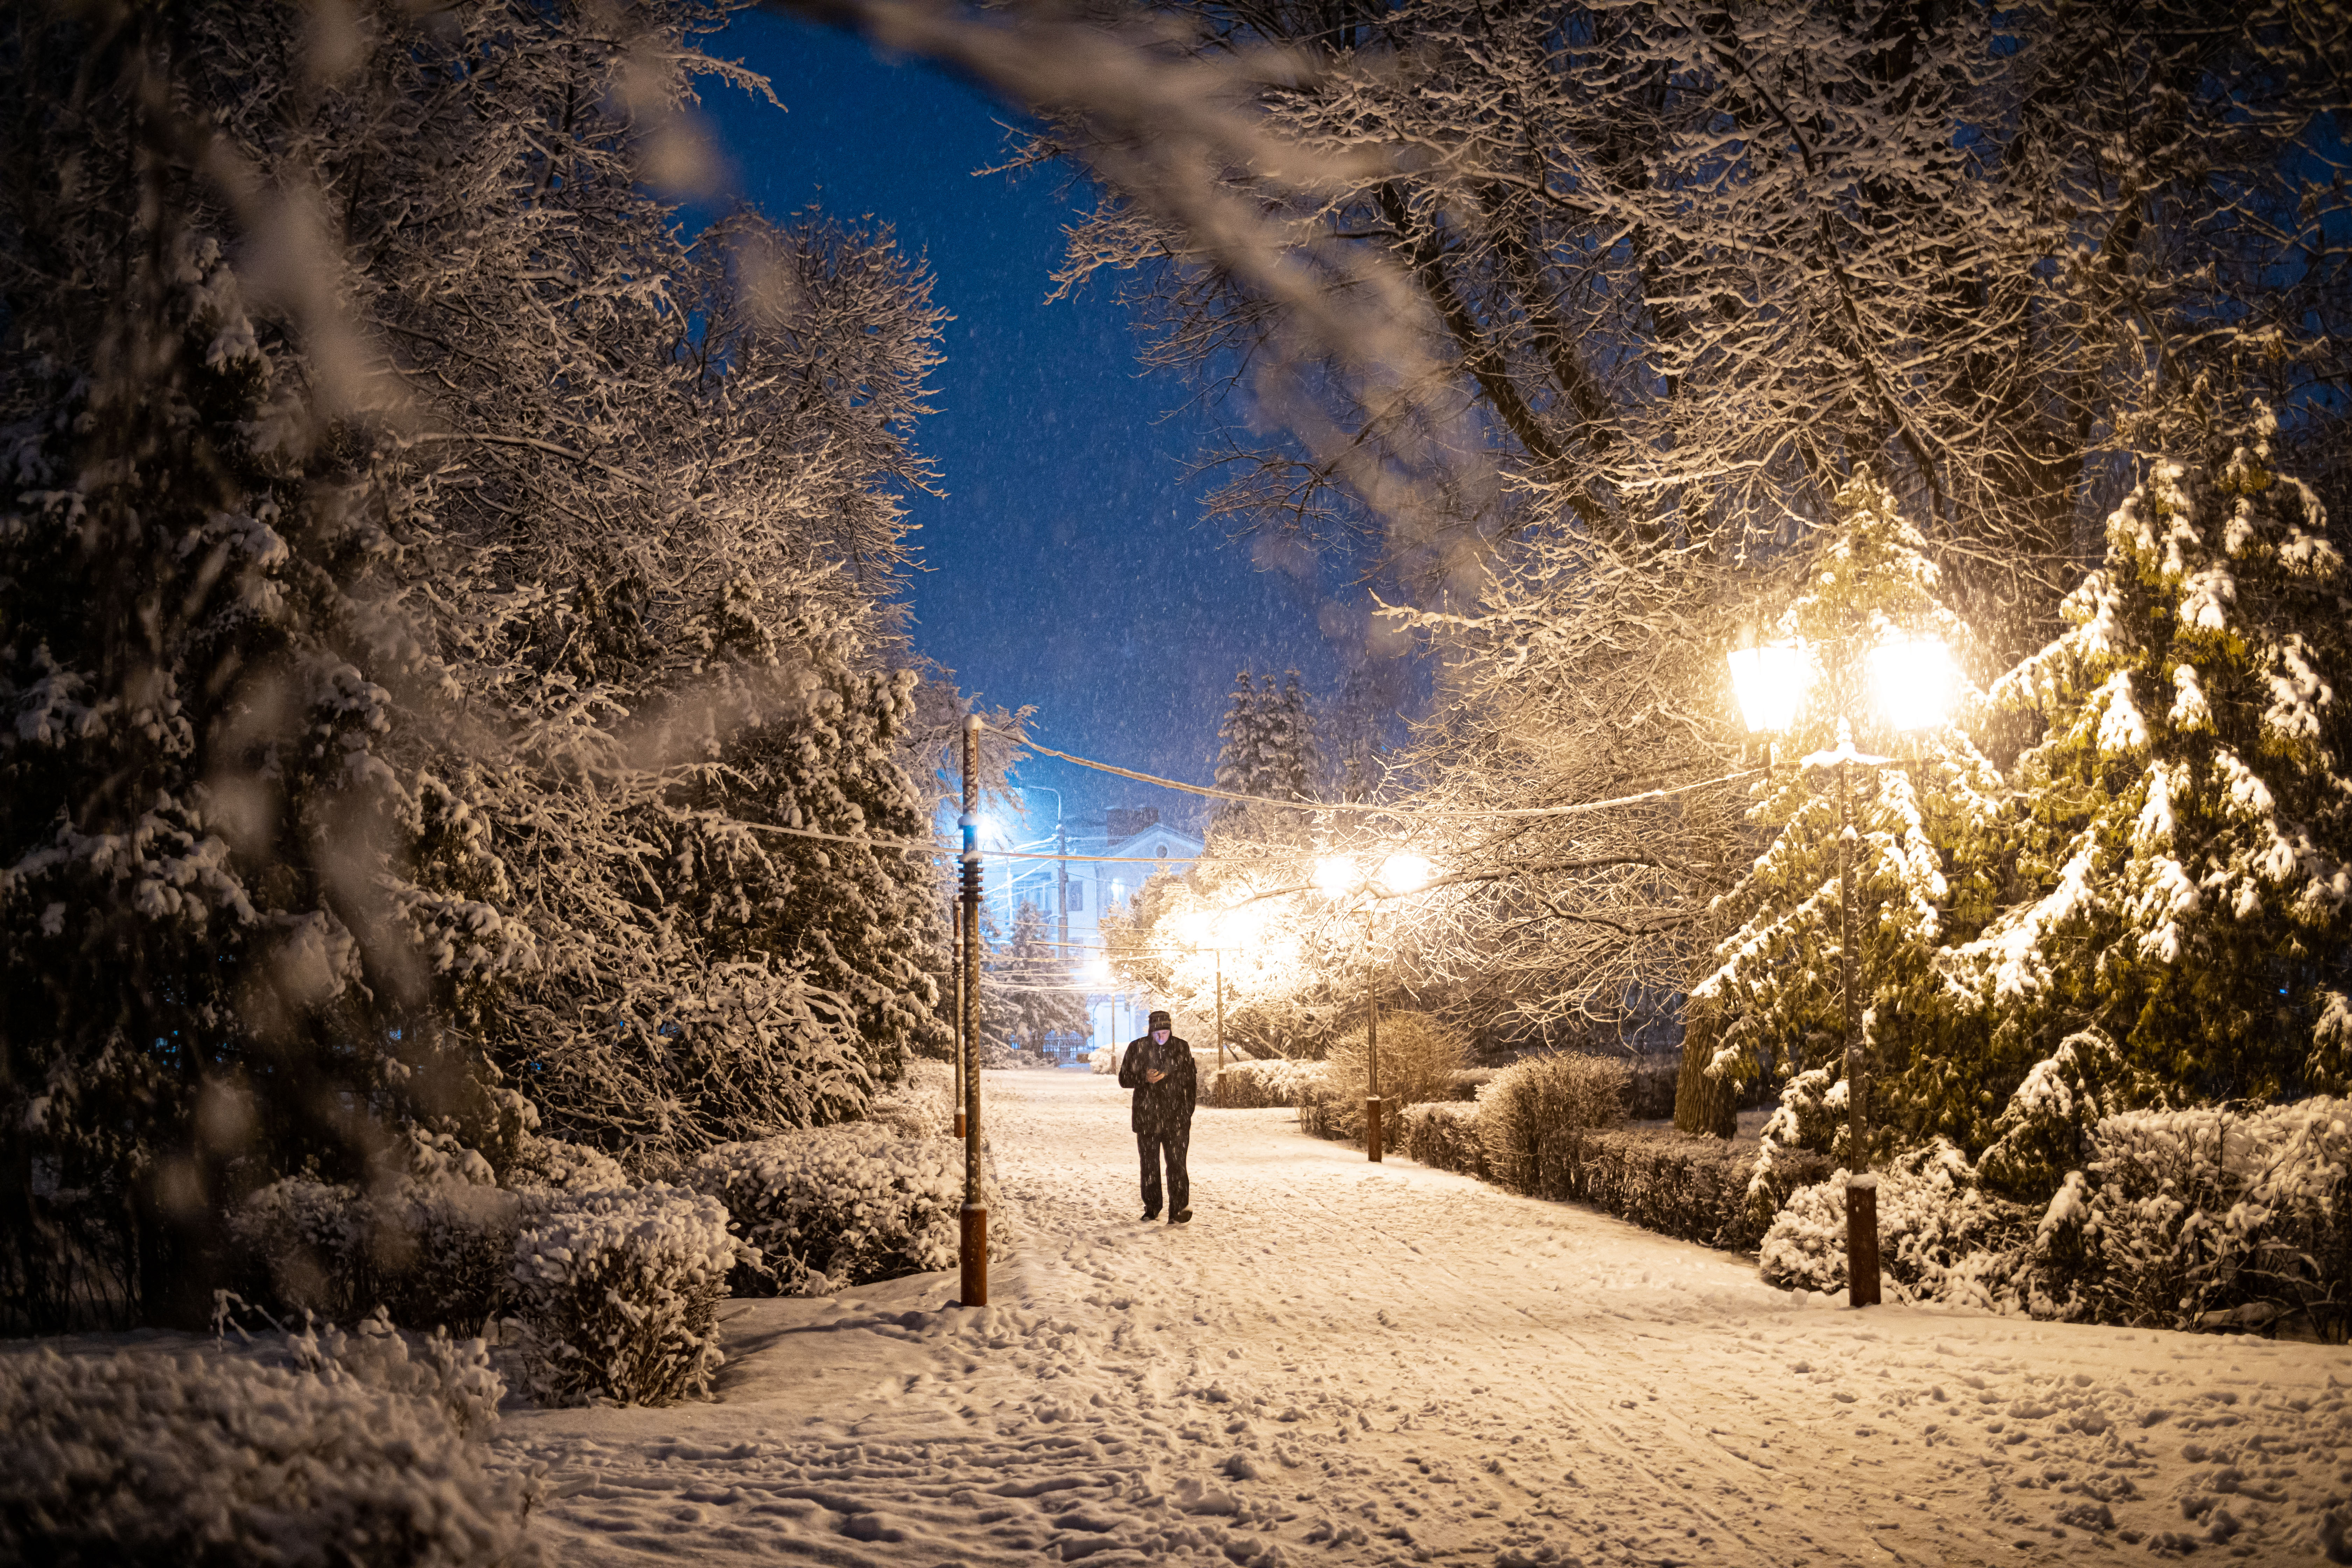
[1162, 1108]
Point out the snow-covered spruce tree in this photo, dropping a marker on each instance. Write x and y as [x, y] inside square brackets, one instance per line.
[1031, 988]
[2183, 827]
[207, 817]
[1777, 992]
[1241, 748]
[395, 637]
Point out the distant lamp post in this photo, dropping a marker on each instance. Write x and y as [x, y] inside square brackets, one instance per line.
[1212, 932]
[1913, 682]
[1338, 877]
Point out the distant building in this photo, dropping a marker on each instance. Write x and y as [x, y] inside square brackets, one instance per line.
[1105, 871]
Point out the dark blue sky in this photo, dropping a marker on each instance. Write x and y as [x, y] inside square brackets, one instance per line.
[1067, 565]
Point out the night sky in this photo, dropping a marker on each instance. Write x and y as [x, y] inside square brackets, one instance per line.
[1067, 565]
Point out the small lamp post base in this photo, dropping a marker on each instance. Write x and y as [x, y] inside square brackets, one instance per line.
[1373, 1130]
[958, 1132]
[974, 1255]
[1862, 1242]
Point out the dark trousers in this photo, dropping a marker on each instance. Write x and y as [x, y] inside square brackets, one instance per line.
[1152, 1149]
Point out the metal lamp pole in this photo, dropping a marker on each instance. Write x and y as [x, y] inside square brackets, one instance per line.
[973, 1251]
[1768, 681]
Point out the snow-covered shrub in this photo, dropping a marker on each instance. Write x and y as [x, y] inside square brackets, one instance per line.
[921, 1104]
[836, 1207]
[1534, 1111]
[616, 1294]
[550, 1164]
[1105, 1061]
[1697, 1187]
[1418, 1056]
[1443, 1134]
[172, 1461]
[1256, 1085]
[453, 1377]
[1941, 1236]
[1470, 1082]
[432, 1243]
[2209, 1217]
[308, 1239]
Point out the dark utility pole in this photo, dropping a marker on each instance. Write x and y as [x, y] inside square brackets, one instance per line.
[955, 924]
[974, 1252]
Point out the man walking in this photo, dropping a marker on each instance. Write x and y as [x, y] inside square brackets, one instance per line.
[1158, 1067]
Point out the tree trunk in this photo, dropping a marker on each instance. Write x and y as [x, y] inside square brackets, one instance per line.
[1701, 1104]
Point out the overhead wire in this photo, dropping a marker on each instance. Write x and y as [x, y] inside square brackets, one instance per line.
[1369, 808]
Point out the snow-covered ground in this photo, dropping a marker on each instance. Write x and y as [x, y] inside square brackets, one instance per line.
[1348, 1363]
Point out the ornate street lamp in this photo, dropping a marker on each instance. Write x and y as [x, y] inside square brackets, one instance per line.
[1913, 683]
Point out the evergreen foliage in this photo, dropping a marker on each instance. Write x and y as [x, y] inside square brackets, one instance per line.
[1031, 989]
[423, 574]
[2178, 838]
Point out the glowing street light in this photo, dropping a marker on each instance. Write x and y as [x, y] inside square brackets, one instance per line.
[1405, 873]
[1334, 875]
[1212, 932]
[1769, 683]
[1338, 877]
[1914, 681]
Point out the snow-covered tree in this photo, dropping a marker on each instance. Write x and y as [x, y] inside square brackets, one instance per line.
[425, 574]
[1030, 988]
[2182, 831]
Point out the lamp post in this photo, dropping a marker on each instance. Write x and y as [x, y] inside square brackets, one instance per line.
[972, 1249]
[1338, 877]
[1212, 932]
[1912, 679]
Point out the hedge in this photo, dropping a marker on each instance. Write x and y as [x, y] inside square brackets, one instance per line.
[1551, 1127]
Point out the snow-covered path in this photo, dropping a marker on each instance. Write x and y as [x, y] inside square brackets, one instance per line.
[1348, 1363]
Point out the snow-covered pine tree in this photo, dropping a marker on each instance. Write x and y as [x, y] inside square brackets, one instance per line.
[1777, 992]
[1296, 759]
[1240, 749]
[1031, 988]
[397, 636]
[2184, 828]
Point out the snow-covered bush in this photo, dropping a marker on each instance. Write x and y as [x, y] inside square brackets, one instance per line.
[453, 1377]
[1105, 1061]
[2211, 1217]
[1941, 1236]
[1444, 1135]
[921, 1104]
[170, 1461]
[1534, 1111]
[616, 1294]
[1696, 1186]
[1470, 1083]
[1256, 1085]
[836, 1206]
[1418, 1056]
[432, 1242]
[550, 1164]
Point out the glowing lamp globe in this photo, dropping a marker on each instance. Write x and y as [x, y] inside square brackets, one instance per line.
[1914, 681]
[1769, 683]
[1192, 928]
[1334, 875]
[1404, 873]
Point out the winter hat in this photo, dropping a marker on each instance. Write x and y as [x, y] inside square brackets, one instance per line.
[1161, 1021]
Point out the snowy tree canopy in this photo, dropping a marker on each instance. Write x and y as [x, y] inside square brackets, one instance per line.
[423, 574]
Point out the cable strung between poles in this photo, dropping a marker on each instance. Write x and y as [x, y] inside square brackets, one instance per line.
[1367, 809]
